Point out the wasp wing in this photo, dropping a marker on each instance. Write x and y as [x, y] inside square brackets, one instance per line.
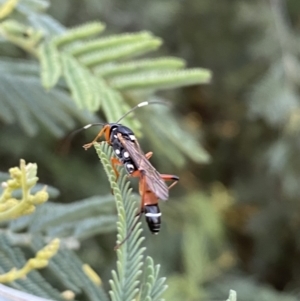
[153, 179]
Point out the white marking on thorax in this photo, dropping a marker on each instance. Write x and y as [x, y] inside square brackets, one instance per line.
[132, 137]
[153, 214]
[130, 167]
[126, 154]
[117, 151]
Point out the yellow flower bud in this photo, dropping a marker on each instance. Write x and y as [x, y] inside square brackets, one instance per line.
[15, 172]
[13, 183]
[40, 197]
[11, 203]
[68, 295]
[91, 274]
[35, 263]
[28, 210]
[8, 204]
[49, 250]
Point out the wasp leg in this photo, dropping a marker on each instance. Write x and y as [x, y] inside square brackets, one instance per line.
[114, 162]
[130, 231]
[142, 189]
[88, 145]
[135, 174]
[149, 155]
[170, 178]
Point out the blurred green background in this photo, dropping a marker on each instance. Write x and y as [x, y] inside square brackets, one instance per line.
[230, 223]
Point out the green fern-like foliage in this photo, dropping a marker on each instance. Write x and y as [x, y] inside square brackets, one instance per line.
[24, 100]
[153, 287]
[78, 220]
[66, 265]
[109, 72]
[124, 283]
[29, 234]
[126, 279]
[74, 223]
[94, 68]
[200, 223]
[96, 71]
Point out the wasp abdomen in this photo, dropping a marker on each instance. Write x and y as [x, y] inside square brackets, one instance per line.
[153, 214]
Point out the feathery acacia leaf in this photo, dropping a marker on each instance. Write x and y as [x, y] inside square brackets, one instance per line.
[69, 53]
[47, 24]
[154, 286]
[108, 42]
[130, 255]
[94, 76]
[171, 132]
[72, 266]
[167, 63]
[50, 65]
[23, 100]
[26, 101]
[79, 220]
[34, 283]
[124, 283]
[77, 33]
[161, 80]
[19, 67]
[33, 5]
[93, 59]
[94, 226]
[82, 83]
[9, 86]
[114, 108]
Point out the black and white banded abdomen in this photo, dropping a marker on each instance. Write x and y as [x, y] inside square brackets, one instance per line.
[153, 214]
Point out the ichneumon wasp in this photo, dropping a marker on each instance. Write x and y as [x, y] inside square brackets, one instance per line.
[152, 186]
[129, 153]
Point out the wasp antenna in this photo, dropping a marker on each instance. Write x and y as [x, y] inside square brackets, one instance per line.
[143, 104]
[129, 232]
[67, 141]
[90, 125]
[72, 134]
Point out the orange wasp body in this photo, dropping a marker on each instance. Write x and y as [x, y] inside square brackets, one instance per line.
[130, 154]
[149, 204]
[152, 186]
